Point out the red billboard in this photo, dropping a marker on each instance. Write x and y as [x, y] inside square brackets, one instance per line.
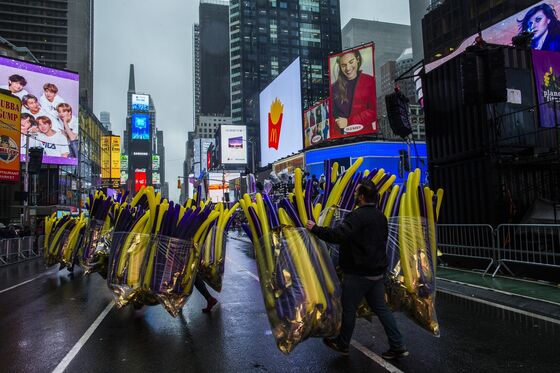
[353, 106]
[140, 179]
[316, 123]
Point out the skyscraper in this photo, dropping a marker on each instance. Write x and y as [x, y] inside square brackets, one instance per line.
[390, 39]
[213, 28]
[418, 9]
[58, 33]
[266, 36]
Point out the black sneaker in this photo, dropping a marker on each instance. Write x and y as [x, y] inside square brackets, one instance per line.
[333, 344]
[394, 354]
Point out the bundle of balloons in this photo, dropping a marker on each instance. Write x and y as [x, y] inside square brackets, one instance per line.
[299, 283]
[150, 250]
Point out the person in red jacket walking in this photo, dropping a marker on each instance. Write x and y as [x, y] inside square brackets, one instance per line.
[353, 97]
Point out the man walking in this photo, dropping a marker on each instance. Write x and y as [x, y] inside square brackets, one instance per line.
[362, 257]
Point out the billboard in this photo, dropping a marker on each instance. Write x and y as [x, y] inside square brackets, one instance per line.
[10, 108]
[115, 157]
[218, 184]
[105, 157]
[156, 180]
[49, 107]
[140, 178]
[140, 102]
[233, 145]
[316, 123]
[540, 19]
[546, 66]
[200, 154]
[155, 162]
[353, 105]
[280, 115]
[140, 126]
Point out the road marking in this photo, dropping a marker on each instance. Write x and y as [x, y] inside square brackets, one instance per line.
[364, 350]
[373, 356]
[507, 308]
[26, 282]
[82, 341]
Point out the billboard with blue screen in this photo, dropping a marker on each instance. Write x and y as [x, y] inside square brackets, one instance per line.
[386, 155]
[140, 126]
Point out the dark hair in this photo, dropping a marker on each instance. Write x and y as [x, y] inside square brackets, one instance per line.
[548, 11]
[368, 190]
[341, 80]
[27, 98]
[18, 79]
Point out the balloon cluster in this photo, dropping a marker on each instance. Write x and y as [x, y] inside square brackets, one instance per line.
[300, 288]
[148, 249]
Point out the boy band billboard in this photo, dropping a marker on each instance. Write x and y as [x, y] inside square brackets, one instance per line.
[352, 91]
[316, 123]
[49, 114]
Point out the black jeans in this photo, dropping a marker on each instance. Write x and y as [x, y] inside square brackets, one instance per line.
[201, 287]
[354, 288]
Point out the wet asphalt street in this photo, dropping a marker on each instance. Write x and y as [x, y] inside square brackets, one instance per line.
[49, 321]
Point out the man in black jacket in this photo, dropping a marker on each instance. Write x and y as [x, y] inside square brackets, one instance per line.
[362, 237]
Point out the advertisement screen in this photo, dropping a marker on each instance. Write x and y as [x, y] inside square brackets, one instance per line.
[233, 144]
[280, 115]
[316, 123]
[140, 127]
[541, 19]
[218, 185]
[156, 180]
[352, 90]
[155, 162]
[49, 107]
[201, 155]
[10, 108]
[140, 102]
[546, 66]
[139, 179]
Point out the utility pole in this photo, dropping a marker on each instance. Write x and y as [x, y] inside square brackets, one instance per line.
[26, 183]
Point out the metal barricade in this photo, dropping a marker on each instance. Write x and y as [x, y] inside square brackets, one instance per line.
[13, 250]
[468, 241]
[534, 244]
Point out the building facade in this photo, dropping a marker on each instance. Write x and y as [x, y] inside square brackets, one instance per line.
[265, 37]
[418, 9]
[59, 33]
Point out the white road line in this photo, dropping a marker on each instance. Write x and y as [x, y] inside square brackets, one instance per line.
[82, 341]
[364, 350]
[373, 356]
[507, 308]
[25, 282]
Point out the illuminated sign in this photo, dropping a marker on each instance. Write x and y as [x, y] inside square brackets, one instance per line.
[140, 102]
[233, 141]
[140, 127]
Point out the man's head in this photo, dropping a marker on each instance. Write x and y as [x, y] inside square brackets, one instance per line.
[50, 91]
[366, 193]
[16, 83]
[64, 111]
[31, 103]
[45, 124]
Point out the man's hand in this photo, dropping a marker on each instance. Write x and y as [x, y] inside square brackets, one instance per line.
[310, 224]
[342, 123]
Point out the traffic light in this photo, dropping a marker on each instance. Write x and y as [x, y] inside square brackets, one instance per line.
[35, 160]
[178, 183]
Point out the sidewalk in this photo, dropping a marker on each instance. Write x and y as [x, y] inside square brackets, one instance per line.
[529, 296]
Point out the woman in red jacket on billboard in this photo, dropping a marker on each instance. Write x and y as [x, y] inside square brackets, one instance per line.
[353, 98]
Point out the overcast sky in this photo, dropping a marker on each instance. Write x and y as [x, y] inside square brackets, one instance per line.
[156, 36]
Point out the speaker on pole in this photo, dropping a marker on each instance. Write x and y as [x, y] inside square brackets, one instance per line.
[397, 113]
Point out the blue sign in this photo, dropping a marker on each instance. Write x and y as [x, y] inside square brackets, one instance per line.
[140, 127]
[391, 156]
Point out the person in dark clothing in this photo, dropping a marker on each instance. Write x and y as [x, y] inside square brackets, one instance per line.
[201, 287]
[362, 237]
